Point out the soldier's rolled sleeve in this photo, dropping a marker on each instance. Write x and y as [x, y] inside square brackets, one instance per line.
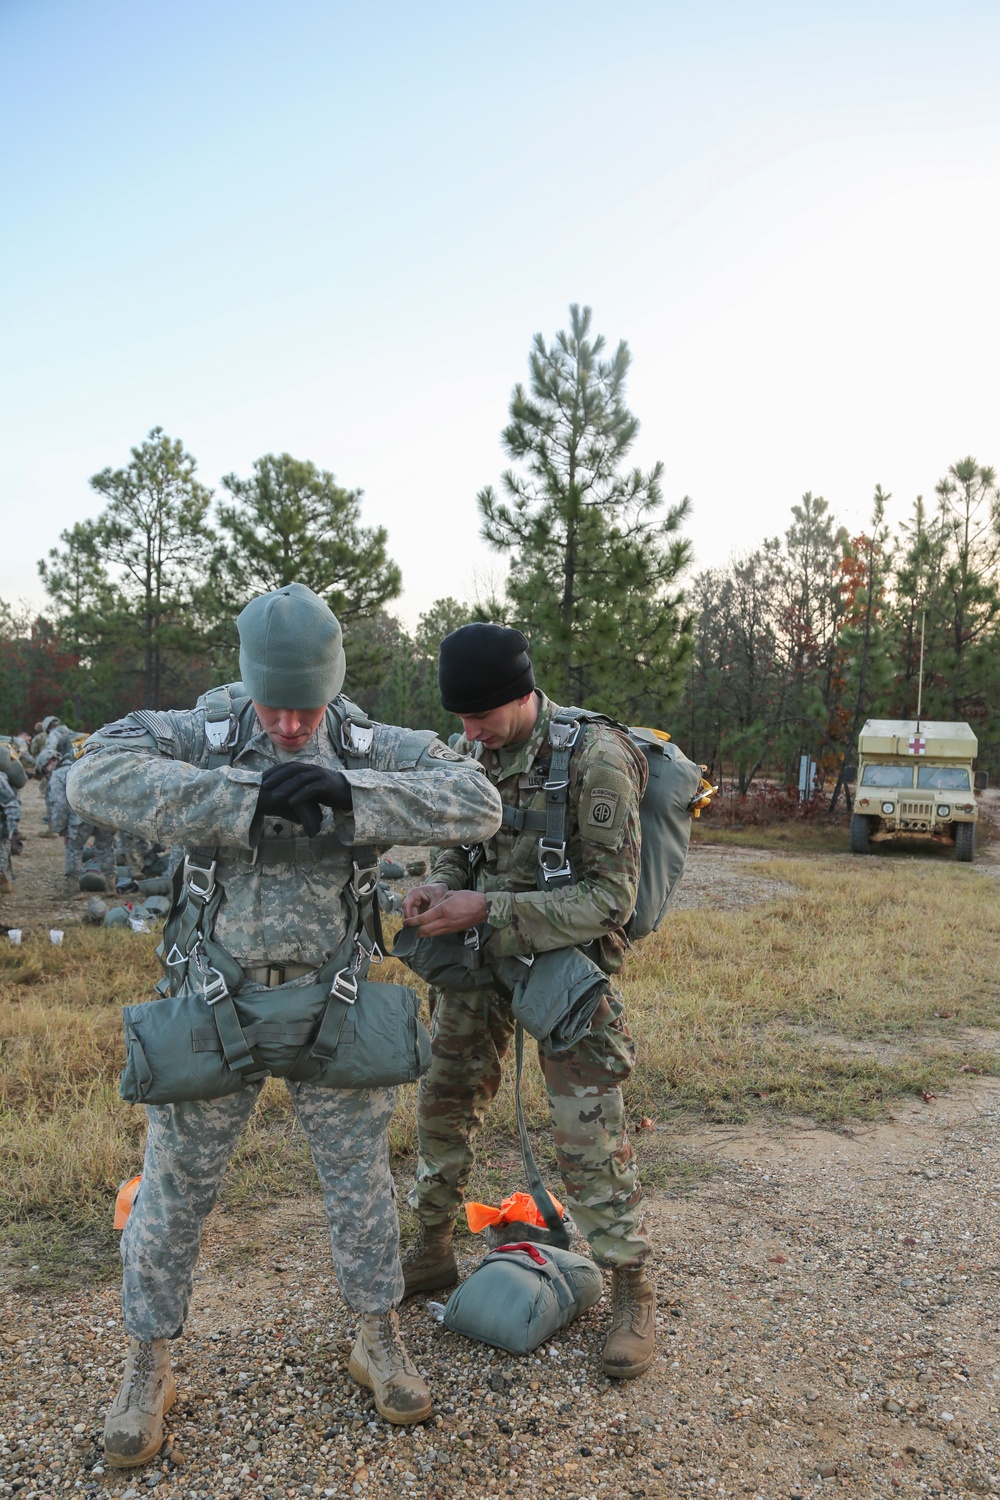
[447, 805]
[164, 800]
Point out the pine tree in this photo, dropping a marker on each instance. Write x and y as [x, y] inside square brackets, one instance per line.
[293, 523]
[133, 575]
[594, 560]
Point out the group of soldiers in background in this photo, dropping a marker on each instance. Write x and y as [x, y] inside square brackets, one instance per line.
[95, 859]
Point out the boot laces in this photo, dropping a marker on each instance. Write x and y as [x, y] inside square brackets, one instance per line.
[626, 1303]
[144, 1364]
[392, 1343]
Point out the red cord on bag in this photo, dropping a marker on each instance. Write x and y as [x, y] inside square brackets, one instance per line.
[530, 1249]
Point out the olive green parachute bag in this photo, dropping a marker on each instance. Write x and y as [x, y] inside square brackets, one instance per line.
[522, 1294]
[182, 1048]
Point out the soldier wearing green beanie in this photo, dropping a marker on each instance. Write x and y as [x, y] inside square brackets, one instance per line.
[273, 786]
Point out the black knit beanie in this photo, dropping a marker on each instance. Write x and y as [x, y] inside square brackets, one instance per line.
[482, 667]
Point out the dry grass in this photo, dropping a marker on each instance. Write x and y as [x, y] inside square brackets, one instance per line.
[815, 837]
[738, 1008]
[829, 1003]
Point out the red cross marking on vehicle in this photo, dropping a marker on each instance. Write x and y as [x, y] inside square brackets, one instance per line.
[917, 745]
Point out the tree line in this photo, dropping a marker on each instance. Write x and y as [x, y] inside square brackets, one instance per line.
[798, 642]
[787, 648]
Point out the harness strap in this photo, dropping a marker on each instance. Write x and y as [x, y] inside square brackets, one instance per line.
[554, 868]
[536, 1187]
[240, 1055]
[521, 818]
[221, 726]
[277, 851]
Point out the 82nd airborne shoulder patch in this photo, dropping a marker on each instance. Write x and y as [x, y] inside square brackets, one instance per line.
[602, 807]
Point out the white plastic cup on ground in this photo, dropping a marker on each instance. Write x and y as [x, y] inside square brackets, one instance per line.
[14, 933]
[55, 937]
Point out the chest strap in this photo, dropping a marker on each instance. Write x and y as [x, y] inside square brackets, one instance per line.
[521, 818]
[297, 850]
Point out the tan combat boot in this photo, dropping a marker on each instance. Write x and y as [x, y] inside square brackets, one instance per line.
[629, 1347]
[6, 885]
[429, 1264]
[379, 1360]
[133, 1429]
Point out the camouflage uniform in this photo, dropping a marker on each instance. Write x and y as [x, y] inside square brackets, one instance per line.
[161, 786]
[142, 857]
[10, 821]
[56, 756]
[471, 1030]
[78, 835]
[75, 831]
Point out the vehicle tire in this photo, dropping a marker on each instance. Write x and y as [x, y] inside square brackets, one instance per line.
[965, 842]
[859, 835]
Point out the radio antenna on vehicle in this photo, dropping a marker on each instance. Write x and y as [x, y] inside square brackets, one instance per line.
[920, 675]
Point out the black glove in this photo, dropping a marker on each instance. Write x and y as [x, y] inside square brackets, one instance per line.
[272, 800]
[297, 790]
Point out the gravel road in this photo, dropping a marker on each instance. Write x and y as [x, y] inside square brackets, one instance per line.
[829, 1321]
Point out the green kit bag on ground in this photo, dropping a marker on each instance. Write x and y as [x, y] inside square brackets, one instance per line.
[181, 1048]
[520, 1295]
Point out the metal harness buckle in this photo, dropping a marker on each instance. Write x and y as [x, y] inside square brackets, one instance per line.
[215, 987]
[563, 736]
[200, 892]
[364, 881]
[220, 733]
[345, 986]
[552, 860]
[357, 738]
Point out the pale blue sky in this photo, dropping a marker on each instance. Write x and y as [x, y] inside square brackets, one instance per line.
[334, 230]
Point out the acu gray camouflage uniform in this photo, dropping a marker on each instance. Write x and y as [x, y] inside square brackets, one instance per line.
[152, 777]
[10, 821]
[471, 1029]
[63, 819]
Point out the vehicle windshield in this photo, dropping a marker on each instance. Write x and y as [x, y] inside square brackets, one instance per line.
[887, 776]
[943, 778]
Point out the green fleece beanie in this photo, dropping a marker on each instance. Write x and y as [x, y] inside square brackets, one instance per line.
[291, 649]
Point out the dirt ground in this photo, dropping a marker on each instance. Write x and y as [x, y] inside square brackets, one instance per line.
[829, 1312]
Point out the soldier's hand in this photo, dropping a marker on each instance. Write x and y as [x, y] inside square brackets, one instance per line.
[423, 896]
[298, 790]
[456, 912]
[273, 799]
[315, 789]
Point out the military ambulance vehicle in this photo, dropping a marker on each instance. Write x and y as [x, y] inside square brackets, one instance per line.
[915, 780]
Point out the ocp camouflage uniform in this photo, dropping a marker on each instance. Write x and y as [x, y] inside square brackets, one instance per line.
[160, 786]
[10, 821]
[471, 1030]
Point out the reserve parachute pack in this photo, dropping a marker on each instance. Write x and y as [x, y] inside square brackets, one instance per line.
[675, 793]
[11, 767]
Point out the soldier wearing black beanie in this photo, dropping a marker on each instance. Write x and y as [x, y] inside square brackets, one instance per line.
[483, 666]
[486, 678]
